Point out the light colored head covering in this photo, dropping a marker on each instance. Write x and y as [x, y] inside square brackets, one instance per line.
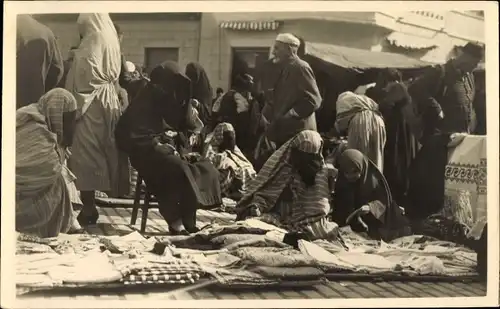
[97, 62]
[130, 67]
[288, 38]
[350, 104]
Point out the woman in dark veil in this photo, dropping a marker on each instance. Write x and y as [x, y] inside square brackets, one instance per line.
[153, 131]
[201, 90]
[363, 199]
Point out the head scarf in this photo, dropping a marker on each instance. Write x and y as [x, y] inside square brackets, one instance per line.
[352, 159]
[370, 179]
[277, 173]
[226, 158]
[349, 104]
[53, 105]
[97, 62]
[201, 88]
[172, 94]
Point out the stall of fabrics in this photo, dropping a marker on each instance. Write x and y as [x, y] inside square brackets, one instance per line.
[244, 254]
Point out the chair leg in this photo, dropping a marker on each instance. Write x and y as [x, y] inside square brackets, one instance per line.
[145, 209]
[137, 200]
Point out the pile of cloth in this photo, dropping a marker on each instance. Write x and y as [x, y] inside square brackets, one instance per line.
[87, 261]
[246, 253]
[251, 253]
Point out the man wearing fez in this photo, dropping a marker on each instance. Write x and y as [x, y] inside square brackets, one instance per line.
[291, 104]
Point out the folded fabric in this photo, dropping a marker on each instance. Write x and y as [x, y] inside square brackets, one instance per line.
[241, 277]
[364, 261]
[168, 269]
[132, 241]
[35, 280]
[92, 268]
[228, 239]
[330, 246]
[269, 256]
[255, 223]
[193, 241]
[23, 247]
[161, 279]
[32, 238]
[289, 273]
[259, 241]
[220, 260]
[324, 258]
[235, 228]
[425, 265]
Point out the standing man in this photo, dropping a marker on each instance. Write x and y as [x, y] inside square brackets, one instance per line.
[39, 61]
[290, 106]
[452, 87]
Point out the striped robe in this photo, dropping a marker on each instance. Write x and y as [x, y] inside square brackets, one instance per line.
[310, 205]
[360, 117]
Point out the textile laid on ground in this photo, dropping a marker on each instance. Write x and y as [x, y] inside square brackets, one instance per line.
[465, 181]
[244, 254]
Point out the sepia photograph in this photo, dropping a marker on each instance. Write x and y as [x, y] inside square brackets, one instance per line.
[208, 154]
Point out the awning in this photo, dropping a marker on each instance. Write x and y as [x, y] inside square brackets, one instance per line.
[353, 58]
[410, 41]
[251, 25]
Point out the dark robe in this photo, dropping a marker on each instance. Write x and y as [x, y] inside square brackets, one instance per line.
[401, 145]
[39, 66]
[245, 123]
[201, 90]
[452, 90]
[386, 220]
[294, 89]
[179, 186]
[427, 172]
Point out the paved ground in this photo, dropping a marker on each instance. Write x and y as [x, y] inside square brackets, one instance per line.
[116, 221]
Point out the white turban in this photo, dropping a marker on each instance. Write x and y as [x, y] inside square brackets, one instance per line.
[130, 67]
[288, 38]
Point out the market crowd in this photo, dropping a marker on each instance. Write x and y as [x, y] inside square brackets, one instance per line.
[84, 125]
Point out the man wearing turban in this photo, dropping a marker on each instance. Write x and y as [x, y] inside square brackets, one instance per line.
[291, 104]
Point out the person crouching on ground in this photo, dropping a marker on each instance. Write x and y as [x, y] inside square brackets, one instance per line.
[44, 131]
[291, 190]
[363, 199]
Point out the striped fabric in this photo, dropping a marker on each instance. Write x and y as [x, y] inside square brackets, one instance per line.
[310, 205]
[43, 204]
[359, 115]
[232, 165]
[161, 279]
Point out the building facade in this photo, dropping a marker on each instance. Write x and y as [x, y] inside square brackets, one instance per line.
[226, 43]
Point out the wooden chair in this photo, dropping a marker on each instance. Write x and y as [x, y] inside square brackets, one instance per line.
[145, 206]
